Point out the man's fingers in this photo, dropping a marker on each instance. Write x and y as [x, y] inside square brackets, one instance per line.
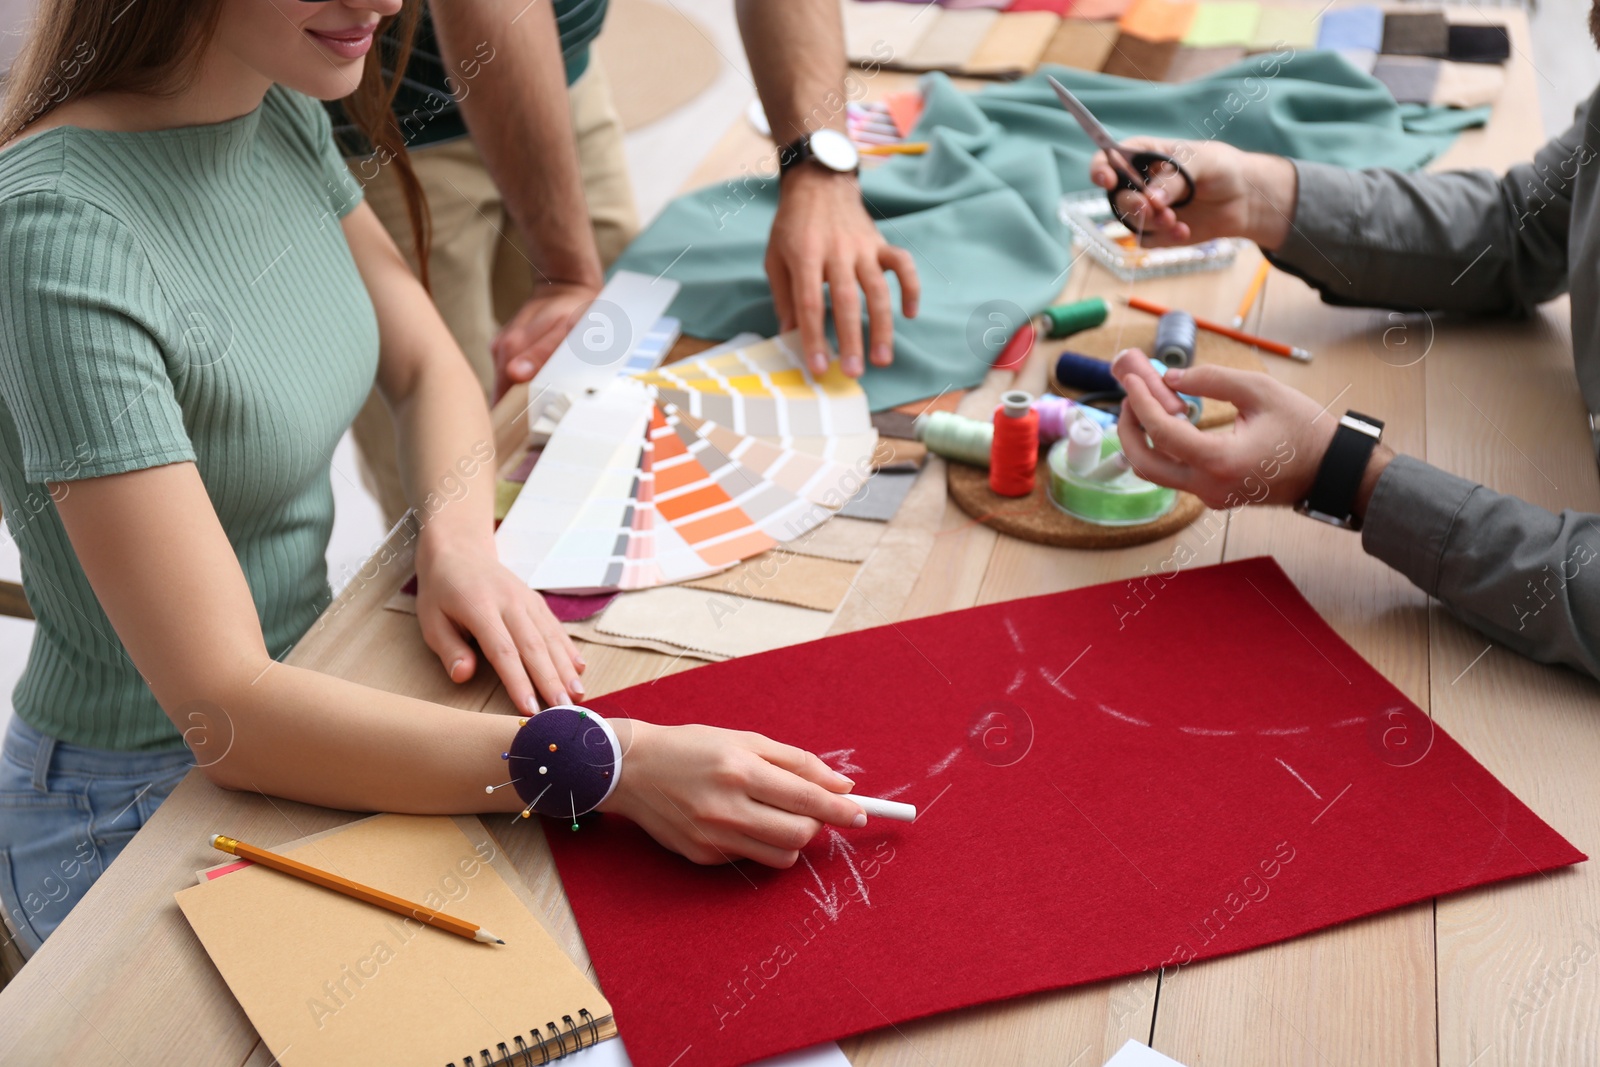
[441, 635]
[1131, 361]
[1148, 463]
[880, 312]
[905, 268]
[805, 283]
[782, 297]
[1246, 390]
[846, 297]
[1175, 436]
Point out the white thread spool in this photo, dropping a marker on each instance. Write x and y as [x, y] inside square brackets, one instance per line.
[1083, 446]
[1113, 466]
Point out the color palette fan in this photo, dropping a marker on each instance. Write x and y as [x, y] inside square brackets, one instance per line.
[660, 477]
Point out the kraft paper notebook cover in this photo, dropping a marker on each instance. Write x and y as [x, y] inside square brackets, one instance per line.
[1110, 780]
[328, 980]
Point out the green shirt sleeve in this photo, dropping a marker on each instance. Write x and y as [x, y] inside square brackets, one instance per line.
[310, 133]
[81, 370]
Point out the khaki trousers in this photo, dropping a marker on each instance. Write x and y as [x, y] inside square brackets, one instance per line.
[477, 264]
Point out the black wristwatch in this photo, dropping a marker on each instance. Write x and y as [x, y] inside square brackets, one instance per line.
[826, 147]
[1333, 493]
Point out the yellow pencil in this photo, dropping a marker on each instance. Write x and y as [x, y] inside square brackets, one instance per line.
[1251, 293]
[399, 905]
[900, 148]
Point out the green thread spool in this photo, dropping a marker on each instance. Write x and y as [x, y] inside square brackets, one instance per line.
[1064, 320]
[956, 437]
[1126, 500]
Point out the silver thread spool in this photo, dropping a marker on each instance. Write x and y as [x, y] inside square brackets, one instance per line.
[1175, 335]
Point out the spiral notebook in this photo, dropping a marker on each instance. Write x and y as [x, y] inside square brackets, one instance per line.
[327, 980]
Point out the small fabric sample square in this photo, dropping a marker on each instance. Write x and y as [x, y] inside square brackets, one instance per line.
[1158, 20]
[1058, 8]
[952, 38]
[1099, 9]
[1285, 26]
[1192, 63]
[1014, 44]
[1223, 23]
[1416, 33]
[1135, 57]
[1468, 85]
[880, 497]
[1081, 44]
[1479, 44]
[1351, 27]
[1409, 79]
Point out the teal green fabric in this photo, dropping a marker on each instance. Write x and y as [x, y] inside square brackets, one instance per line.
[168, 296]
[979, 210]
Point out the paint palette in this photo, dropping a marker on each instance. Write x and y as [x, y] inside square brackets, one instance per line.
[677, 473]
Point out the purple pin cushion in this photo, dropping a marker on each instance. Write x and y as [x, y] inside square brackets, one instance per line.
[565, 761]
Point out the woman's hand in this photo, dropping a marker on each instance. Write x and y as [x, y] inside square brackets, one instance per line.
[463, 592]
[1270, 456]
[1236, 194]
[718, 795]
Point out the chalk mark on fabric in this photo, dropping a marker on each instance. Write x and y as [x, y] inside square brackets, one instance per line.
[1115, 714]
[1201, 731]
[944, 764]
[1284, 731]
[1299, 779]
[1016, 638]
[1016, 683]
[839, 759]
[1353, 721]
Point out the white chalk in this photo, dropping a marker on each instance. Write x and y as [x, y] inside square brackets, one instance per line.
[1083, 446]
[886, 809]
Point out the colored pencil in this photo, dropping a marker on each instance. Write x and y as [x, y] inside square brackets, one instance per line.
[902, 148]
[1275, 347]
[398, 905]
[1252, 293]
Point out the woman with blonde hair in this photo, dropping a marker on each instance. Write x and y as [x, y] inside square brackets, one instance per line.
[194, 304]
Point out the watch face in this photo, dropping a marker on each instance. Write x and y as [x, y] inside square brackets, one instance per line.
[833, 150]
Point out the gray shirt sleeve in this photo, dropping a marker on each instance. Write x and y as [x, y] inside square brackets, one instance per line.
[1525, 577]
[1467, 241]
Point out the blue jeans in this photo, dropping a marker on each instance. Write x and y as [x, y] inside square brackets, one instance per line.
[65, 813]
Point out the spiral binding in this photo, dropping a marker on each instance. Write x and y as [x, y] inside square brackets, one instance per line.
[560, 1038]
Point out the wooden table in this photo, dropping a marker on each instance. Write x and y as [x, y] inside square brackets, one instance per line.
[1502, 975]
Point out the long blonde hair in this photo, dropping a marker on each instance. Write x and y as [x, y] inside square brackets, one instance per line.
[80, 47]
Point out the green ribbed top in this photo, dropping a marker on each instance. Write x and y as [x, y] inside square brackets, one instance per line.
[167, 296]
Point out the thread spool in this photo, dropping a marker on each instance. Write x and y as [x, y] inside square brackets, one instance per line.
[1015, 353]
[1113, 466]
[1085, 373]
[1175, 334]
[956, 437]
[1123, 500]
[1083, 446]
[1064, 320]
[1014, 452]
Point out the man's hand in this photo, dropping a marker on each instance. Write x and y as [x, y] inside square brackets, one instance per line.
[524, 344]
[822, 233]
[1237, 194]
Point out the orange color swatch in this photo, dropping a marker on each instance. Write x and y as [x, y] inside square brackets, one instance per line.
[1158, 20]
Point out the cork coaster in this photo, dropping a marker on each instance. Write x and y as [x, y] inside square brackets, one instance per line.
[1035, 518]
[1104, 342]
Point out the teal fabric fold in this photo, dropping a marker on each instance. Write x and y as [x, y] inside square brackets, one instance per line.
[978, 211]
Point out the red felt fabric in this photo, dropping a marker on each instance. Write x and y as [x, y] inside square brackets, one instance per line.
[1110, 780]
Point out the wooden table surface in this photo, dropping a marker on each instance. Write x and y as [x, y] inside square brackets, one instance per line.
[1503, 975]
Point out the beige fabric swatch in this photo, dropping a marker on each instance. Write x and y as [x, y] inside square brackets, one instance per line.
[883, 33]
[1081, 44]
[720, 623]
[952, 38]
[1468, 84]
[1014, 44]
[786, 578]
[841, 538]
[586, 631]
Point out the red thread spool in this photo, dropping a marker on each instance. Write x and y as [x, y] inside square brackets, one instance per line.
[1014, 456]
[1016, 351]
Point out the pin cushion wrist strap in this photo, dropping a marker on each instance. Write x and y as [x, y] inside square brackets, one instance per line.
[564, 762]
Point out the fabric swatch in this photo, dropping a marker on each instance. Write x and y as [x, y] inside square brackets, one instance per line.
[1360, 58]
[958, 5]
[874, 30]
[1416, 33]
[1158, 20]
[1351, 27]
[1192, 63]
[1468, 85]
[1409, 79]
[1136, 824]
[1223, 23]
[719, 623]
[584, 630]
[787, 578]
[881, 497]
[1014, 44]
[1479, 44]
[578, 608]
[1059, 8]
[1285, 26]
[1078, 43]
[1096, 10]
[952, 38]
[1135, 57]
[850, 540]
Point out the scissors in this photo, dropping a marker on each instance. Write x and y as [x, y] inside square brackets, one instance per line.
[1143, 163]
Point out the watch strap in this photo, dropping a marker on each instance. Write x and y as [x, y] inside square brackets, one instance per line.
[1333, 492]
